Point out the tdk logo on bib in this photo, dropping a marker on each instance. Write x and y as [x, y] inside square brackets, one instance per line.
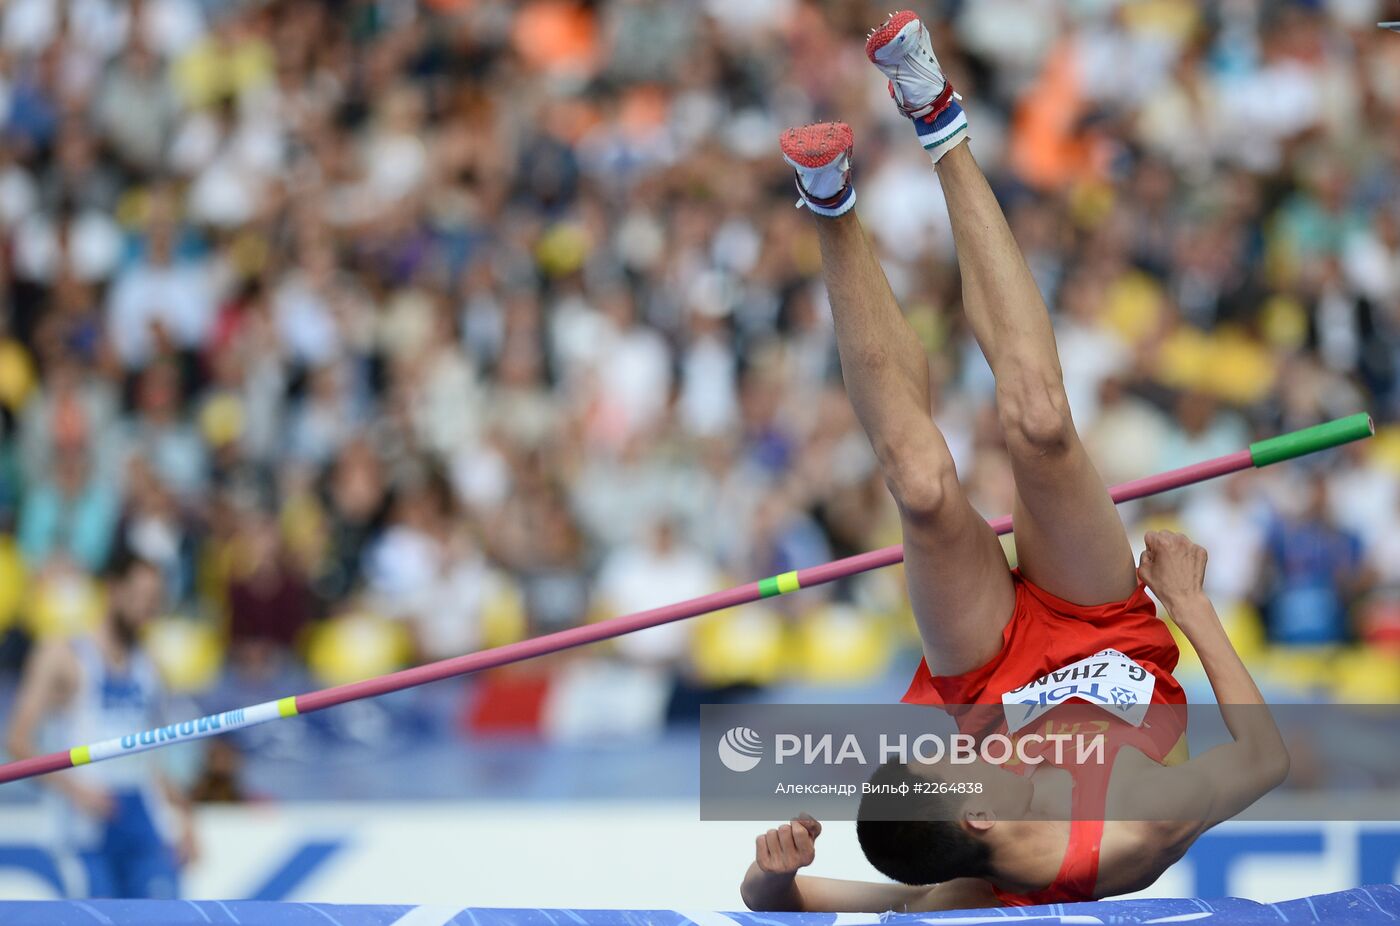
[1109, 679]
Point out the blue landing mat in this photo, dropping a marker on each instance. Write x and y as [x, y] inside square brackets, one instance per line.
[1363, 905]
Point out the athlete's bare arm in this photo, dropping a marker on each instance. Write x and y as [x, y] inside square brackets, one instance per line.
[50, 675]
[186, 845]
[48, 679]
[773, 885]
[1190, 798]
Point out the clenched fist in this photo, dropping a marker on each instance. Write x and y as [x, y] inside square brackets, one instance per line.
[1173, 567]
[784, 850]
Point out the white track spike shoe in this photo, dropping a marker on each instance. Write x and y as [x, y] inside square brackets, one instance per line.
[901, 49]
[821, 156]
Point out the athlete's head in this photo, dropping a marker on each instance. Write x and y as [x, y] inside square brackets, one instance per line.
[917, 834]
[135, 592]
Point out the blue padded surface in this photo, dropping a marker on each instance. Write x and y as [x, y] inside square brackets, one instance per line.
[1375, 904]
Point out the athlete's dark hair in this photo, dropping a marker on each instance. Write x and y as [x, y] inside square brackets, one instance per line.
[914, 837]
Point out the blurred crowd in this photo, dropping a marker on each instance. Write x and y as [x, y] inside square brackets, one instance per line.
[395, 329]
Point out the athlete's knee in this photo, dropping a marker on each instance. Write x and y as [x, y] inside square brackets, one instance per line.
[922, 485]
[1034, 413]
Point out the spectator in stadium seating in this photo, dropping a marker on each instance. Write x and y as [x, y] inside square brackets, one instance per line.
[659, 569]
[155, 527]
[355, 497]
[160, 430]
[72, 513]
[161, 302]
[269, 600]
[1315, 569]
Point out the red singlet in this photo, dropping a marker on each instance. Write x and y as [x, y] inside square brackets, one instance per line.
[1079, 872]
[1046, 634]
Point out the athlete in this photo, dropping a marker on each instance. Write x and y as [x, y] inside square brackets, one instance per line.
[988, 631]
[127, 825]
[1047, 834]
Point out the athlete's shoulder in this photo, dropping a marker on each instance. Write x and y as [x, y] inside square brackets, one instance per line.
[57, 652]
[53, 665]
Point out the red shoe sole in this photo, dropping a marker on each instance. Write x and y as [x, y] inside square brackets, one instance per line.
[817, 145]
[887, 31]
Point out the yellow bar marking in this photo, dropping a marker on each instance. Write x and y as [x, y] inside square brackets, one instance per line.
[287, 707]
[80, 755]
[787, 582]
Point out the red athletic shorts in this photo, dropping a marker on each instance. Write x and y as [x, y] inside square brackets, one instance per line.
[1047, 633]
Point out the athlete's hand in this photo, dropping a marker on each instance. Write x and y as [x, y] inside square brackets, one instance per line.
[784, 850]
[187, 843]
[1173, 567]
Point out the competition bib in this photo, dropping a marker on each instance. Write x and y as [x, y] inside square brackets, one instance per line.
[1108, 679]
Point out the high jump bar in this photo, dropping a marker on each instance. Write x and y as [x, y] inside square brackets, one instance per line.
[1261, 453]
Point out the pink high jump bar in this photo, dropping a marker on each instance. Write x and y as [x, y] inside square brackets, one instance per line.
[1261, 453]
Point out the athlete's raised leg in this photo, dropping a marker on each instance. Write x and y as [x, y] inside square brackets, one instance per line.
[1069, 538]
[958, 580]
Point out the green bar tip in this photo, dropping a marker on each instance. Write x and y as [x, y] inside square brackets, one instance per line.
[1310, 440]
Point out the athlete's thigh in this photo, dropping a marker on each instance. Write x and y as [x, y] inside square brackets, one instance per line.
[1069, 538]
[960, 586]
